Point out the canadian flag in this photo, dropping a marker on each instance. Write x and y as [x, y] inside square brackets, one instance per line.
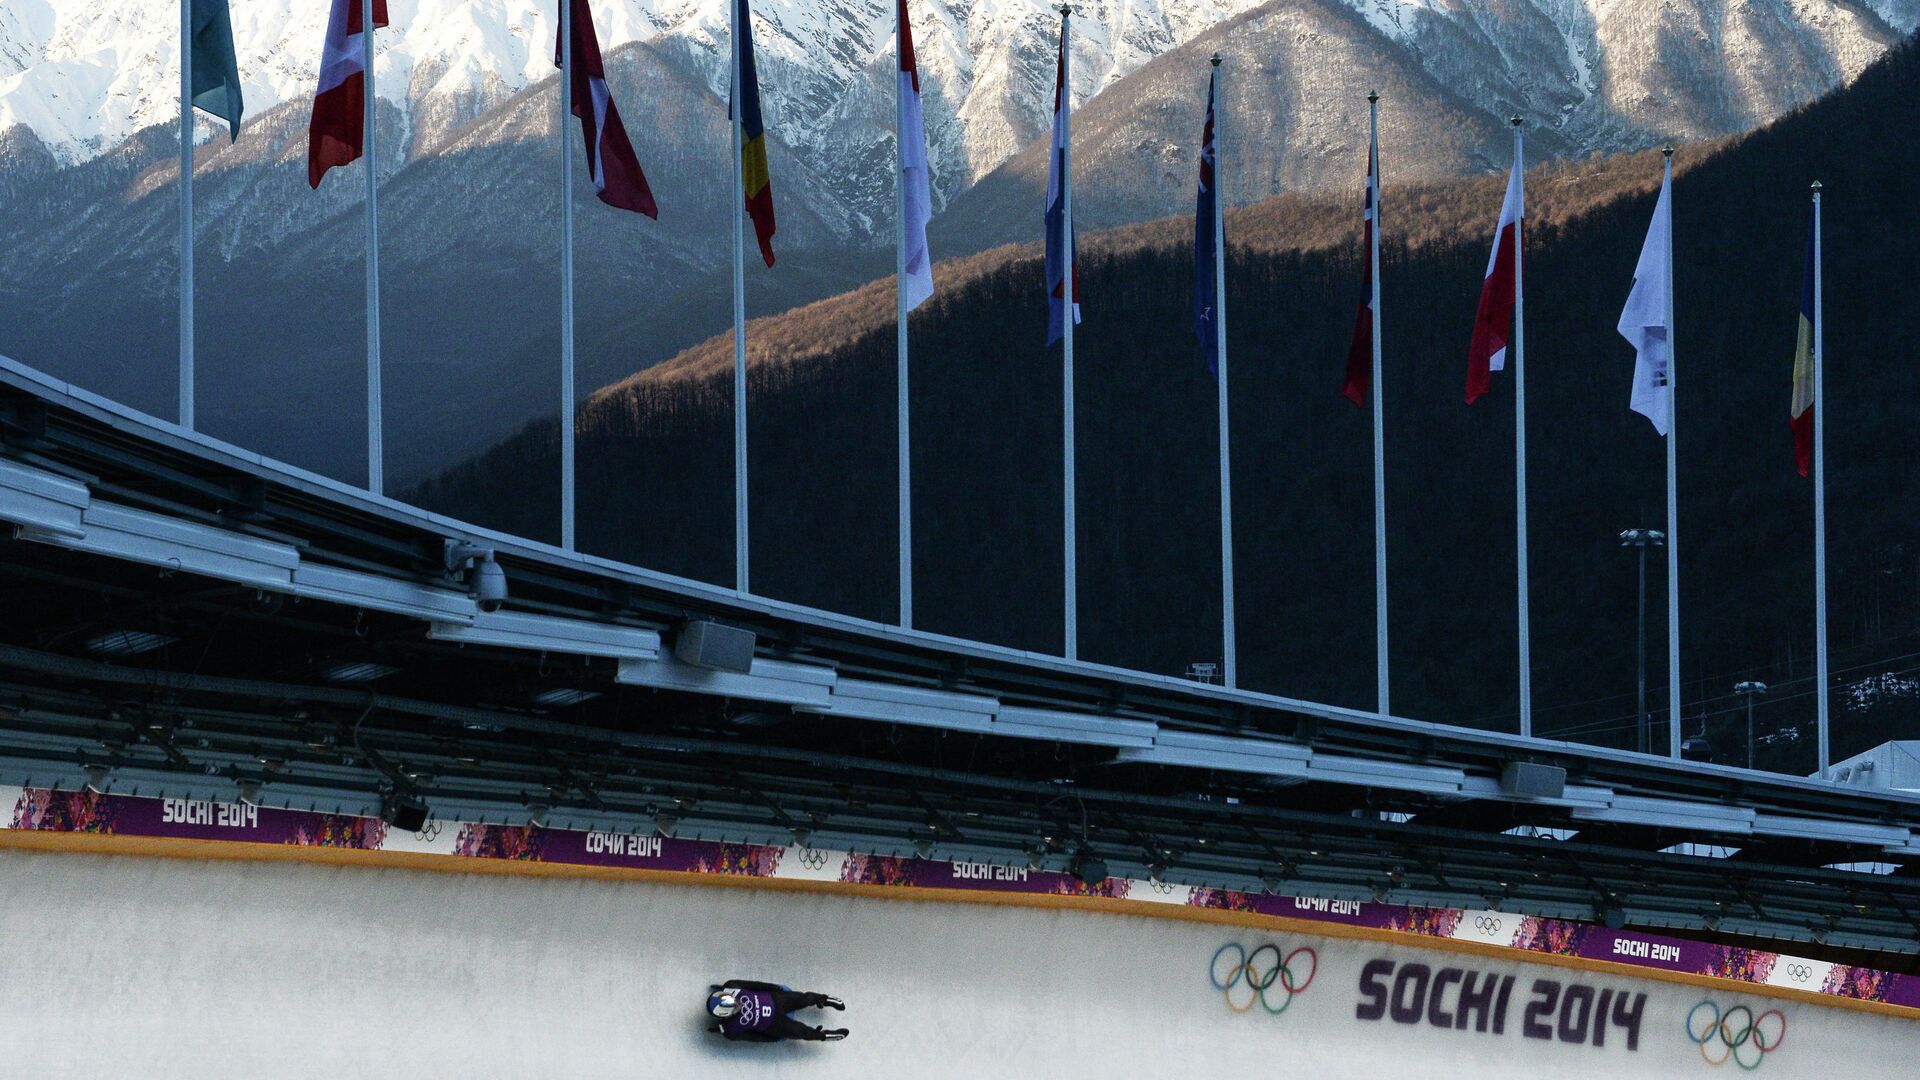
[336, 133]
[1500, 290]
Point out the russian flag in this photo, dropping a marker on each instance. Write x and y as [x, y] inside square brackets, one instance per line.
[1205, 303]
[1360, 350]
[611, 162]
[336, 133]
[1062, 262]
[1800, 414]
[915, 179]
[1494, 321]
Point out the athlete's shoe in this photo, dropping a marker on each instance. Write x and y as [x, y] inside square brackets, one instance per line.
[835, 1003]
[835, 1035]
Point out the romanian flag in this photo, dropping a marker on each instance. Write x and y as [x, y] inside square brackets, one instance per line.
[1801, 412]
[753, 136]
[338, 128]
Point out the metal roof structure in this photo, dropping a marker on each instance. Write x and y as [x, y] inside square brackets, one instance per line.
[190, 618]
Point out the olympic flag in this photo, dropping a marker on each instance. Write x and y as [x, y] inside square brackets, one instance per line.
[1647, 323]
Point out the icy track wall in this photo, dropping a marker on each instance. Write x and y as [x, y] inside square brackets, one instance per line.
[127, 966]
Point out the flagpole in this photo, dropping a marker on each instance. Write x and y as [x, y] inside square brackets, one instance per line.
[186, 213]
[901, 431]
[1819, 499]
[1227, 628]
[1673, 489]
[376, 453]
[740, 580]
[567, 511]
[1520, 446]
[1379, 421]
[1070, 288]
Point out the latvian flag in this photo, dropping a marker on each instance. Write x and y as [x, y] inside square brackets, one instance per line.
[916, 206]
[1801, 414]
[1494, 322]
[610, 158]
[1360, 350]
[753, 138]
[334, 136]
[1062, 260]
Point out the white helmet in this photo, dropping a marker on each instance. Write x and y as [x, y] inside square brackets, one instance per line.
[723, 1004]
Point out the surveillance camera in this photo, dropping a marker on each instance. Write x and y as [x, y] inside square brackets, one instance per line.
[489, 585]
[486, 582]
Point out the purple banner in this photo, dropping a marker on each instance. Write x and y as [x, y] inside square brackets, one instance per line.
[87, 811]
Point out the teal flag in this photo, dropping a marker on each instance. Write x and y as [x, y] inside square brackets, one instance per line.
[216, 72]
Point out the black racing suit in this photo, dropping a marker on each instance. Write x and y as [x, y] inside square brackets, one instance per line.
[783, 1026]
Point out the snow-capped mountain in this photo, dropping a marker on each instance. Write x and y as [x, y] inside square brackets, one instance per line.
[1294, 115]
[84, 76]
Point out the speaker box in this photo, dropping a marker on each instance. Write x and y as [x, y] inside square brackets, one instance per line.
[711, 645]
[1533, 781]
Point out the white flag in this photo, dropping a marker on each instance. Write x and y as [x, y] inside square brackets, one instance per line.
[917, 283]
[1644, 322]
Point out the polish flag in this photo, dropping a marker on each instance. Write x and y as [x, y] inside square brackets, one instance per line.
[1498, 293]
[336, 133]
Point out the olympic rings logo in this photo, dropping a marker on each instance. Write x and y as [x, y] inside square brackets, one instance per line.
[1747, 1041]
[1798, 972]
[429, 832]
[1487, 924]
[1250, 978]
[813, 858]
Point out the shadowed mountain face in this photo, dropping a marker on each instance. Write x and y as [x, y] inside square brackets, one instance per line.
[656, 463]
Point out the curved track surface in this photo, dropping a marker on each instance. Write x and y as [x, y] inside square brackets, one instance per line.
[118, 966]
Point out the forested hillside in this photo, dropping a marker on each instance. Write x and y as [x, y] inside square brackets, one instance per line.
[656, 450]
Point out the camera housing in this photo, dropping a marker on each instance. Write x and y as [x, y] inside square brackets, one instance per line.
[475, 567]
